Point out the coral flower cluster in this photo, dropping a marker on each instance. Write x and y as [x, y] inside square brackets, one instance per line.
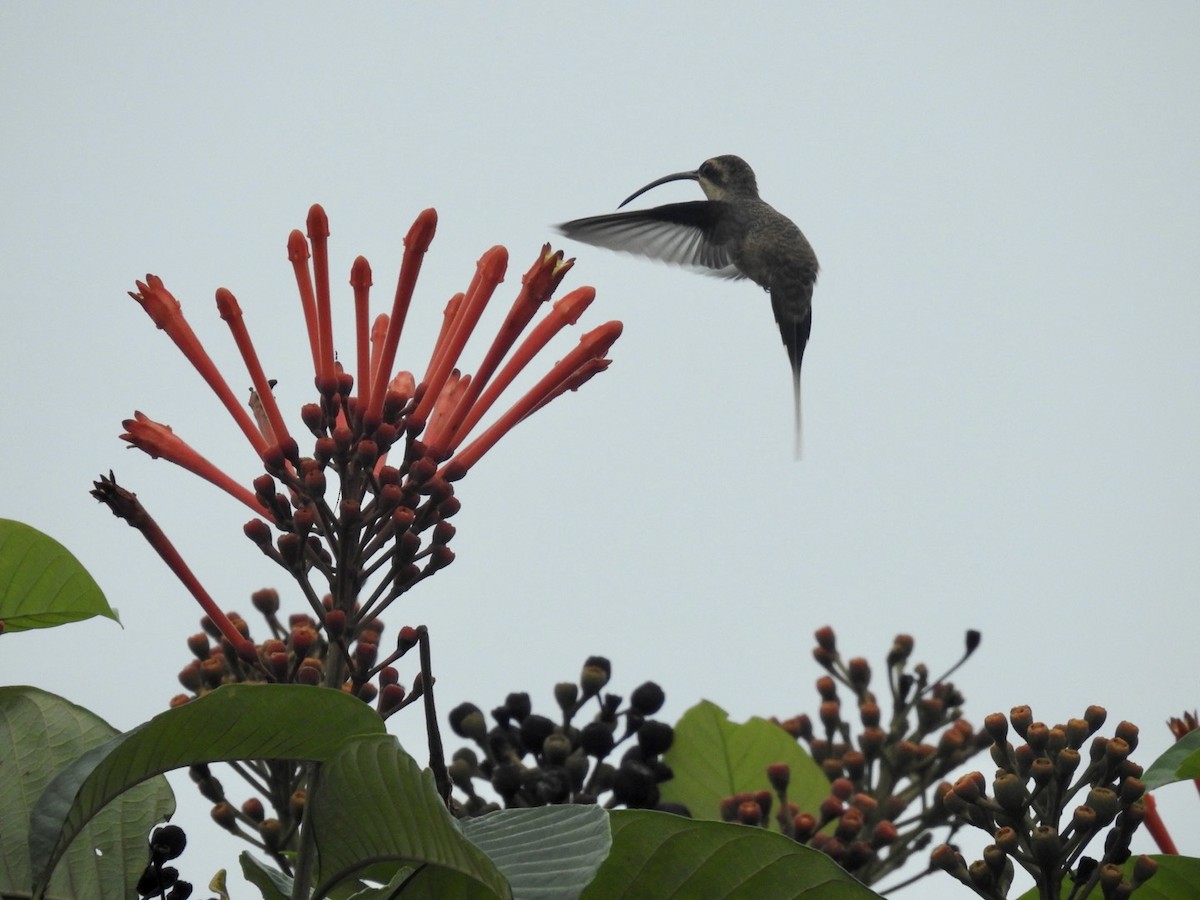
[364, 515]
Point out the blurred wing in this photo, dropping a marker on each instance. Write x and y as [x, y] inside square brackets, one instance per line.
[682, 234]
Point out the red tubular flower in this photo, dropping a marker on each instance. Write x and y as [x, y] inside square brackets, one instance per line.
[227, 306]
[592, 346]
[415, 244]
[160, 440]
[318, 236]
[164, 309]
[1183, 726]
[389, 516]
[1158, 828]
[125, 505]
[564, 312]
[360, 280]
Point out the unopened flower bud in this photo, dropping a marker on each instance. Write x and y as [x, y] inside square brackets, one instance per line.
[1116, 750]
[1095, 716]
[1038, 736]
[779, 774]
[225, 815]
[309, 672]
[1128, 732]
[1110, 877]
[883, 834]
[860, 673]
[555, 749]
[594, 676]
[849, 824]
[191, 676]
[253, 808]
[1084, 819]
[804, 825]
[335, 623]
[1041, 770]
[826, 639]
[948, 859]
[871, 741]
[1131, 789]
[1007, 839]
[749, 813]
[566, 694]
[1009, 791]
[440, 556]
[981, 875]
[1144, 868]
[1066, 763]
[830, 713]
[831, 807]
[466, 720]
[258, 531]
[1021, 718]
[1045, 844]
[902, 647]
[407, 639]
[391, 697]
[270, 831]
[855, 764]
[266, 601]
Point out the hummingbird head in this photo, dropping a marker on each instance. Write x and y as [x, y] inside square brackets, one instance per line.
[721, 178]
[727, 177]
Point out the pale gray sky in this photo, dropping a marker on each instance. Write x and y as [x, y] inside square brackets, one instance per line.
[1001, 392]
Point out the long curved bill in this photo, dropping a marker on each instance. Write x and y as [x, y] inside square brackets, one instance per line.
[678, 176]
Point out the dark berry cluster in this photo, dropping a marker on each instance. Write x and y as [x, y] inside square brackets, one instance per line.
[1050, 799]
[160, 880]
[532, 760]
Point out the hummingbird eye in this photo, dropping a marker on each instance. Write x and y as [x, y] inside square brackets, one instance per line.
[710, 171]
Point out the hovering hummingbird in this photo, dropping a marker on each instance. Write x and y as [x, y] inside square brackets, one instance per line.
[732, 234]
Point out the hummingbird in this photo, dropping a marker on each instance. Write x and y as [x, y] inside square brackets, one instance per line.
[733, 234]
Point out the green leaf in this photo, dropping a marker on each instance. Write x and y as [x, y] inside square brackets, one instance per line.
[547, 853]
[41, 583]
[656, 855]
[271, 883]
[375, 812]
[713, 758]
[237, 721]
[1176, 879]
[41, 733]
[1180, 762]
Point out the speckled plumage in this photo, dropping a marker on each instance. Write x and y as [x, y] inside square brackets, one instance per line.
[732, 234]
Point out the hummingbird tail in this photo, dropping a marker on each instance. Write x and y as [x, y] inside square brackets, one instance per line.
[799, 448]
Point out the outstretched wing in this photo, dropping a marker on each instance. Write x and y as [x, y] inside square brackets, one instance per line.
[683, 234]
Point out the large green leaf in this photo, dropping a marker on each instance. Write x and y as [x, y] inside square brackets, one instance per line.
[237, 721]
[375, 813]
[547, 853]
[41, 733]
[658, 855]
[41, 583]
[1176, 879]
[713, 758]
[1180, 762]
